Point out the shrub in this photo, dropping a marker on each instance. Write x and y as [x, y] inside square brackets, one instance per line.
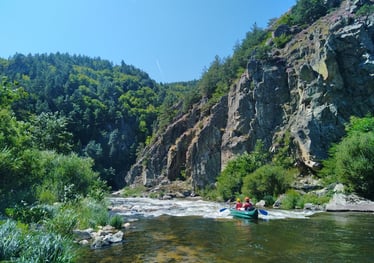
[63, 222]
[315, 199]
[133, 191]
[269, 200]
[365, 11]
[36, 246]
[116, 221]
[351, 161]
[305, 12]
[91, 213]
[50, 247]
[230, 181]
[65, 177]
[29, 214]
[47, 196]
[11, 240]
[282, 40]
[267, 180]
[210, 194]
[291, 200]
[354, 163]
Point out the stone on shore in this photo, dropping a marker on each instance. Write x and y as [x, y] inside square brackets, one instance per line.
[345, 203]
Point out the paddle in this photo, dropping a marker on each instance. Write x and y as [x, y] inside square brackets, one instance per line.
[222, 209]
[264, 212]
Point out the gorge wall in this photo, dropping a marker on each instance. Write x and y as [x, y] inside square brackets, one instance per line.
[302, 96]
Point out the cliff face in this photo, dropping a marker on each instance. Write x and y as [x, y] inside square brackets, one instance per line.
[306, 93]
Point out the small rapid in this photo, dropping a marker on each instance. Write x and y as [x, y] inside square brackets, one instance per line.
[135, 207]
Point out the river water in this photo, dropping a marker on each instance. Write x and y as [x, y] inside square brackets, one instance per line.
[196, 231]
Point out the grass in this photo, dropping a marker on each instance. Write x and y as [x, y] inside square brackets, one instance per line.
[17, 245]
[133, 191]
[49, 238]
[116, 221]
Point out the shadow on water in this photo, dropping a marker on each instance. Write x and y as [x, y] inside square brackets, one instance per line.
[323, 237]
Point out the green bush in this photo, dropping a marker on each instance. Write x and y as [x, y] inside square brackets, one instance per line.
[133, 191]
[269, 200]
[305, 12]
[282, 40]
[292, 200]
[351, 161]
[50, 247]
[63, 222]
[267, 180]
[210, 194]
[116, 221]
[315, 199]
[354, 163]
[11, 240]
[65, 177]
[33, 246]
[230, 181]
[29, 214]
[91, 213]
[365, 11]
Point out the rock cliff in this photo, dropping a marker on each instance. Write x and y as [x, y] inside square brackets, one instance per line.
[299, 99]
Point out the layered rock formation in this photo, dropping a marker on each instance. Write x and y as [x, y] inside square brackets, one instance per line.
[300, 98]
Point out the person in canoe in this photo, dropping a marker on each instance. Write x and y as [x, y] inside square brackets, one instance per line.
[238, 204]
[247, 204]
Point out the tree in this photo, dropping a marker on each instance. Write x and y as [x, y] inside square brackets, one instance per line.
[352, 160]
[49, 132]
[267, 180]
[308, 11]
[230, 181]
[211, 78]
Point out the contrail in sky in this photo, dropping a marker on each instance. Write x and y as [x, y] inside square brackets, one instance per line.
[159, 68]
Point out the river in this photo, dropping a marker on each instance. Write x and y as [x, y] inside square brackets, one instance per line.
[196, 231]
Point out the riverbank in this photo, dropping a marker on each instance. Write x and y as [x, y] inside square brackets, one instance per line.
[339, 202]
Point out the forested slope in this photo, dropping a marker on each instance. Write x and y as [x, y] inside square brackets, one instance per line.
[91, 107]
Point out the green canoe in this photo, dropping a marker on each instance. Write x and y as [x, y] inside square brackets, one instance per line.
[250, 214]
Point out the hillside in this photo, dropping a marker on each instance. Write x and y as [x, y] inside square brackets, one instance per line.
[298, 90]
[292, 86]
[107, 112]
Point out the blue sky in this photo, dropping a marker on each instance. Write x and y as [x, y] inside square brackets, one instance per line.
[171, 40]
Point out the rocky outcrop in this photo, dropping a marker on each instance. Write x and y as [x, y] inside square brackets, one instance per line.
[349, 203]
[150, 169]
[255, 107]
[300, 98]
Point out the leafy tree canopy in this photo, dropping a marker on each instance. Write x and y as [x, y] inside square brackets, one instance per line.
[352, 160]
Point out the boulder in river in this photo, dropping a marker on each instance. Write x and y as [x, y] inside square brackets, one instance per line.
[344, 203]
